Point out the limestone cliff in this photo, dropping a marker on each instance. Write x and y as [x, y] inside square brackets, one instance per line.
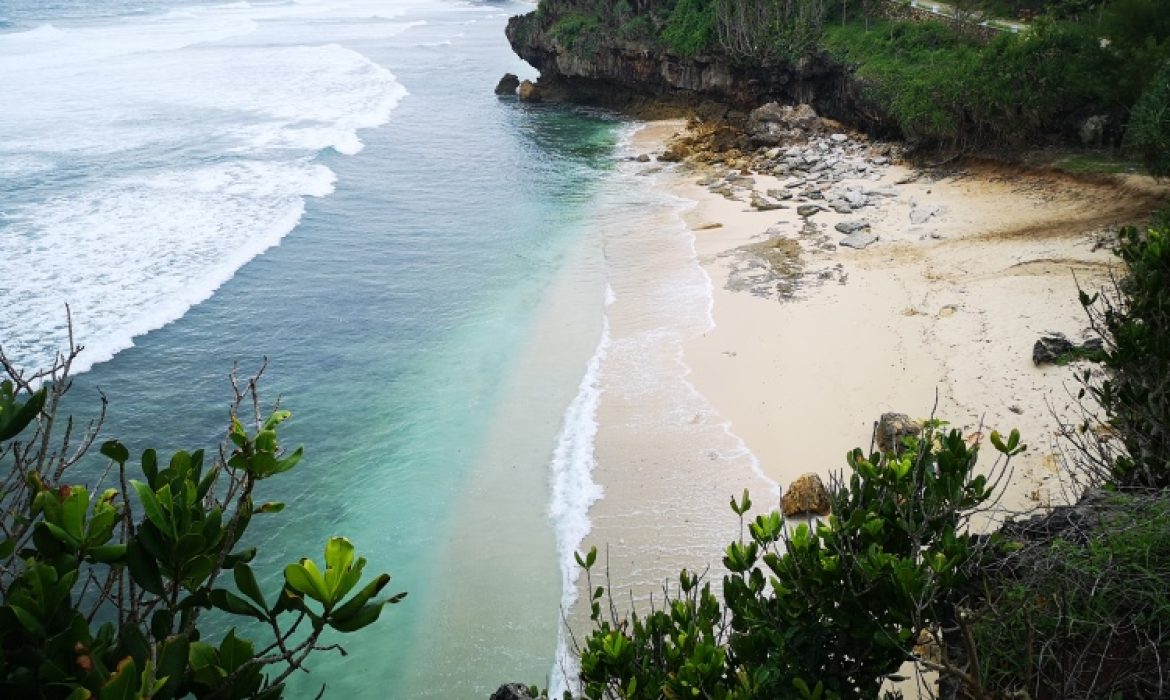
[644, 78]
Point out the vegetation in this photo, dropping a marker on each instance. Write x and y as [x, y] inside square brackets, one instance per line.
[1134, 320]
[827, 611]
[1149, 129]
[106, 591]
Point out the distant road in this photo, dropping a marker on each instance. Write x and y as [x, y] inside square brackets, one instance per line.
[942, 9]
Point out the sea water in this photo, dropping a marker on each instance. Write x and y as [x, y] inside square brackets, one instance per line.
[473, 307]
[332, 186]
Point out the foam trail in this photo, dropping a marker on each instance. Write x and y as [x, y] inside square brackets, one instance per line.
[573, 492]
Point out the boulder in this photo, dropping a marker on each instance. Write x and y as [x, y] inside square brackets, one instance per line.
[508, 84]
[529, 92]
[848, 227]
[773, 124]
[764, 204]
[1092, 130]
[1049, 348]
[807, 210]
[806, 495]
[892, 427]
[859, 240]
[512, 691]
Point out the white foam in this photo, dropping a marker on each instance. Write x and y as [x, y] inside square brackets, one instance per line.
[154, 156]
[135, 254]
[573, 493]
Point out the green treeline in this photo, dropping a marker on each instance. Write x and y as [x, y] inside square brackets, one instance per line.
[952, 82]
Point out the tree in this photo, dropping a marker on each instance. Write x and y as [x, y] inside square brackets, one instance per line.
[1149, 124]
[103, 591]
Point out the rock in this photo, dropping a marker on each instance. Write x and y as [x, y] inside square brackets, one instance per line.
[508, 84]
[1092, 130]
[763, 204]
[892, 427]
[1049, 348]
[807, 210]
[780, 194]
[773, 124]
[643, 158]
[529, 92]
[856, 198]
[922, 214]
[806, 495]
[840, 206]
[773, 153]
[512, 691]
[848, 227]
[859, 240]
[839, 138]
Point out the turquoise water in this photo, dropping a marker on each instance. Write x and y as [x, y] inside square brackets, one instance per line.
[332, 186]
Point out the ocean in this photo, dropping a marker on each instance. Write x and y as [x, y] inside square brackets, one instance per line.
[446, 286]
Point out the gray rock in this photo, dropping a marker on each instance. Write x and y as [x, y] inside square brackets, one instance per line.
[848, 227]
[1049, 348]
[856, 198]
[839, 138]
[840, 206]
[859, 240]
[1092, 130]
[764, 204]
[773, 124]
[643, 158]
[881, 160]
[807, 210]
[508, 84]
[780, 194]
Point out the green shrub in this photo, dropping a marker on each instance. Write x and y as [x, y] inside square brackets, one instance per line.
[1134, 320]
[824, 612]
[103, 594]
[1149, 124]
[574, 29]
[690, 28]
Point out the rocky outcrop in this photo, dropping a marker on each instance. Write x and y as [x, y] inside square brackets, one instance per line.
[529, 92]
[806, 495]
[508, 84]
[1055, 348]
[646, 79]
[512, 691]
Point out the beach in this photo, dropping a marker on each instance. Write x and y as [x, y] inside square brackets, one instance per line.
[788, 346]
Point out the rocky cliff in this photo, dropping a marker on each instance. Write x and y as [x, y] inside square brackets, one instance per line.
[643, 78]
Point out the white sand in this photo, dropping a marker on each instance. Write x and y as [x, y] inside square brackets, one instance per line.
[949, 308]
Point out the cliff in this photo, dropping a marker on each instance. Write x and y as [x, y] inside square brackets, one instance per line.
[645, 78]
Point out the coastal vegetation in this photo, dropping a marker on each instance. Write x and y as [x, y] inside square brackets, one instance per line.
[958, 77]
[118, 587]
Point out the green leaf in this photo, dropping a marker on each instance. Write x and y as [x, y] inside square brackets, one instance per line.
[235, 652]
[123, 685]
[16, 417]
[143, 568]
[360, 598]
[246, 582]
[108, 553]
[306, 579]
[365, 616]
[230, 602]
[151, 506]
[172, 665]
[270, 507]
[116, 451]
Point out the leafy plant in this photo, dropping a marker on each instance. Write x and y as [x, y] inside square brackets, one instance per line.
[822, 610]
[104, 591]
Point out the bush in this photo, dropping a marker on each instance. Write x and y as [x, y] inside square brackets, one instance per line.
[1149, 124]
[828, 611]
[1134, 321]
[103, 594]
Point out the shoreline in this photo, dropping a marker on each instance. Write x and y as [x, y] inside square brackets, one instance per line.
[937, 317]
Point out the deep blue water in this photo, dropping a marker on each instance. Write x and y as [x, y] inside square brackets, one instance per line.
[332, 186]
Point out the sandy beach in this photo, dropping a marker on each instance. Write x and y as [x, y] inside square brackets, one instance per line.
[937, 316]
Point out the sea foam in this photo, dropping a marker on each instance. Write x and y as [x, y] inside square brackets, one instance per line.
[145, 160]
[573, 492]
